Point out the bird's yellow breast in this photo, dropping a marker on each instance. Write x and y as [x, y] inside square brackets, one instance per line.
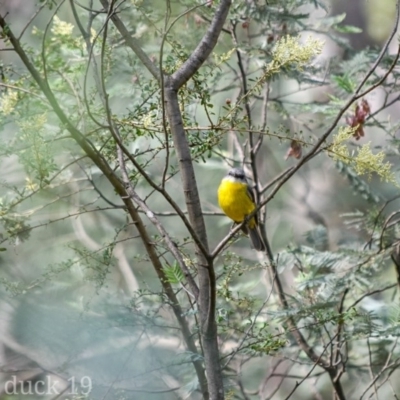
[235, 201]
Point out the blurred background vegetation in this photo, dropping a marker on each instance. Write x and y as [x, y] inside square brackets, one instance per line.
[80, 301]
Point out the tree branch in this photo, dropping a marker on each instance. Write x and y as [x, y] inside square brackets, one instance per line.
[204, 48]
[132, 42]
[120, 189]
[352, 99]
[206, 274]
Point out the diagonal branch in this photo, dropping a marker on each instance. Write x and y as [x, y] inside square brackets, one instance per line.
[132, 42]
[45, 88]
[356, 95]
[151, 216]
[120, 190]
[204, 48]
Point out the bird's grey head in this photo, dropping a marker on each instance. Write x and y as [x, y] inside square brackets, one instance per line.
[237, 174]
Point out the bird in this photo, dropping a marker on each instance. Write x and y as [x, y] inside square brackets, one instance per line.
[236, 200]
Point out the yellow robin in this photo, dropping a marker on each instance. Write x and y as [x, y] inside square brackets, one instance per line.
[236, 199]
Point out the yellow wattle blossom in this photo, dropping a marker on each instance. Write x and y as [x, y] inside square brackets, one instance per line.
[30, 185]
[221, 58]
[366, 162]
[338, 149]
[61, 28]
[289, 51]
[147, 120]
[8, 102]
[35, 123]
[362, 160]
[93, 35]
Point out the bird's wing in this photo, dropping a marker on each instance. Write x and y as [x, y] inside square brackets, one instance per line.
[250, 193]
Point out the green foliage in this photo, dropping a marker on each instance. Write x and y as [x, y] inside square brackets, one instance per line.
[15, 224]
[251, 98]
[345, 83]
[267, 344]
[36, 154]
[358, 185]
[364, 161]
[174, 274]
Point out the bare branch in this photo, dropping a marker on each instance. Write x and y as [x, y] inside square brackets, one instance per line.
[204, 48]
[132, 42]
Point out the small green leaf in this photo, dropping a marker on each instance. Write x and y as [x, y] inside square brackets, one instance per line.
[348, 29]
[344, 82]
[173, 273]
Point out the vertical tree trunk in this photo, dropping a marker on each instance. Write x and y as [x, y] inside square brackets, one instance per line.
[206, 276]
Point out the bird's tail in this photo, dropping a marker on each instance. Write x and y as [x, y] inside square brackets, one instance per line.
[256, 238]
